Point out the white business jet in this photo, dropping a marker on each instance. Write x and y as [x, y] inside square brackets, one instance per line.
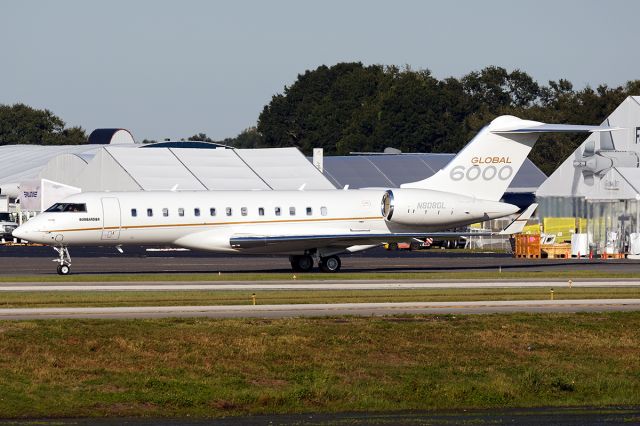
[312, 227]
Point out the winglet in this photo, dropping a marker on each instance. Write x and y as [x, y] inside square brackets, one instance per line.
[519, 223]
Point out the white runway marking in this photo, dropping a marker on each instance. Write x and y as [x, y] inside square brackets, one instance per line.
[304, 285]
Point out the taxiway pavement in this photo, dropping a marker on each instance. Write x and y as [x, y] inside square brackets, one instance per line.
[26, 260]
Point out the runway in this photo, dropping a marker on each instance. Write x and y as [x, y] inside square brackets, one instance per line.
[305, 285]
[323, 310]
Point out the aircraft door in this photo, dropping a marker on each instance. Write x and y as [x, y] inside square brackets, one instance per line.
[110, 219]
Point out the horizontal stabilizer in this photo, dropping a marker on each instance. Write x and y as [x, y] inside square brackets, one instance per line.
[555, 128]
[508, 124]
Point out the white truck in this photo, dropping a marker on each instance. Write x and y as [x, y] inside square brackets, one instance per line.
[7, 225]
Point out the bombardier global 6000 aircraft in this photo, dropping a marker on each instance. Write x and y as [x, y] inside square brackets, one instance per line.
[312, 227]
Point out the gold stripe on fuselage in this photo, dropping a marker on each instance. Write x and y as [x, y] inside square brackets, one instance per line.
[217, 224]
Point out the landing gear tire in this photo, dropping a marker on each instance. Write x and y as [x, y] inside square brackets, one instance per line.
[302, 263]
[64, 260]
[330, 264]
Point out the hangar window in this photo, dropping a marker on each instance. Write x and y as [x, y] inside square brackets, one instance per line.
[165, 212]
[149, 212]
[180, 211]
[243, 211]
[309, 211]
[323, 211]
[196, 212]
[67, 207]
[134, 212]
[278, 211]
[261, 211]
[292, 211]
[229, 211]
[212, 211]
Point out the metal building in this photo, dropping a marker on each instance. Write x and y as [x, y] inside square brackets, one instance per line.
[600, 184]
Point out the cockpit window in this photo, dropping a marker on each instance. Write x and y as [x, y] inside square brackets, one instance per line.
[67, 207]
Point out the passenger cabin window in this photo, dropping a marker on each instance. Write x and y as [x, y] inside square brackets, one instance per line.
[261, 211]
[309, 211]
[277, 210]
[323, 211]
[165, 212]
[212, 211]
[196, 212]
[292, 211]
[180, 211]
[243, 211]
[134, 212]
[67, 207]
[149, 212]
[229, 211]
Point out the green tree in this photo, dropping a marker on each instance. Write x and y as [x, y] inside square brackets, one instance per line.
[248, 138]
[318, 107]
[21, 124]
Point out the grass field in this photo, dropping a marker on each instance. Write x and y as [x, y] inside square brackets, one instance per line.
[317, 276]
[240, 297]
[203, 367]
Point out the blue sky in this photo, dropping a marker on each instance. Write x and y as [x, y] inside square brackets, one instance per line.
[171, 69]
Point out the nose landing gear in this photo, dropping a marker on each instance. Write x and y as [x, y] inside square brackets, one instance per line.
[64, 260]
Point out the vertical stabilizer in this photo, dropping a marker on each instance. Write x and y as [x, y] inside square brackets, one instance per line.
[486, 167]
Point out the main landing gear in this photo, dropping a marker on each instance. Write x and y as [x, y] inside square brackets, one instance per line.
[64, 260]
[304, 263]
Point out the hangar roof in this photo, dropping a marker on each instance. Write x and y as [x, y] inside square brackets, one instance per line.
[110, 136]
[129, 168]
[24, 162]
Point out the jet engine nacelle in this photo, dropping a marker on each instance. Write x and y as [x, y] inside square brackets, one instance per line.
[428, 207]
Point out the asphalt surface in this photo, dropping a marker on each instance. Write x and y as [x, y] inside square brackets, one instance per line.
[328, 309]
[21, 260]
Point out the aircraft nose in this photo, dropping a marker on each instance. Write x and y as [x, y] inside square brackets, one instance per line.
[20, 232]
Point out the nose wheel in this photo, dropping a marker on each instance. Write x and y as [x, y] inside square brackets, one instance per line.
[64, 260]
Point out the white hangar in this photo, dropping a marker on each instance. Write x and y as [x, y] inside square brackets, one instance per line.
[600, 182]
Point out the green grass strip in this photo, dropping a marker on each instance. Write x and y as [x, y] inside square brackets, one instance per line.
[213, 368]
[270, 297]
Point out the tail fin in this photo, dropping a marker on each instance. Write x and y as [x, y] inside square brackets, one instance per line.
[486, 166]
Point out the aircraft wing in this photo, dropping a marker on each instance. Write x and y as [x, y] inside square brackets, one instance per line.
[302, 242]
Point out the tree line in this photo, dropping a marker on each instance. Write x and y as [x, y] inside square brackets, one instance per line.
[350, 107]
[22, 124]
